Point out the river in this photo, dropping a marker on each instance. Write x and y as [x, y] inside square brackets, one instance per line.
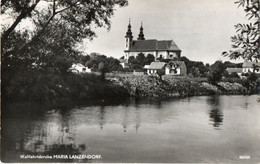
[197, 129]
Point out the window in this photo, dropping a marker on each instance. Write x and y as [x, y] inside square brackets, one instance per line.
[84, 69]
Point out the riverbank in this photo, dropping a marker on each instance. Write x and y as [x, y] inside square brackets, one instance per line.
[52, 88]
[173, 86]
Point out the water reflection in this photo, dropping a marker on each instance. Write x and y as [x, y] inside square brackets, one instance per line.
[57, 132]
[216, 112]
[133, 130]
[101, 117]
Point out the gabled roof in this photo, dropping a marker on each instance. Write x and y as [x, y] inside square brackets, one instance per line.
[237, 70]
[247, 64]
[176, 64]
[77, 65]
[154, 45]
[80, 65]
[156, 65]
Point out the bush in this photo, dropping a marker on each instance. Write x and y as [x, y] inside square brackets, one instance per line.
[234, 75]
[251, 82]
[232, 80]
[160, 73]
[214, 77]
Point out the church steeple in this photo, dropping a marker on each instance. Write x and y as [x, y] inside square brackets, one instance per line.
[141, 34]
[129, 36]
[129, 32]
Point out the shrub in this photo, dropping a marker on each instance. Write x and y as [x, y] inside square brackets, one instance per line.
[214, 77]
[160, 73]
[234, 75]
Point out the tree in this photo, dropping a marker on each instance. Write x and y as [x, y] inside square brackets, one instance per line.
[234, 75]
[58, 27]
[216, 71]
[113, 64]
[149, 59]
[141, 59]
[250, 82]
[130, 59]
[246, 43]
[102, 68]
[160, 73]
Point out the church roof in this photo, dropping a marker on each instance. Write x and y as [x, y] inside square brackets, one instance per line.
[154, 45]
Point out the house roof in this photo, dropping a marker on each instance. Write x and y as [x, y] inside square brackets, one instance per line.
[247, 64]
[122, 61]
[237, 70]
[177, 64]
[154, 45]
[156, 65]
[80, 65]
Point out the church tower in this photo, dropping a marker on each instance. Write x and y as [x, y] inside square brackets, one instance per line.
[129, 37]
[141, 34]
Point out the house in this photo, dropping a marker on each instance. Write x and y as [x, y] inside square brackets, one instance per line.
[79, 68]
[249, 67]
[154, 67]
[235, 70]
[160, 49]
[176, 68]
[171, 68]
[124, 63]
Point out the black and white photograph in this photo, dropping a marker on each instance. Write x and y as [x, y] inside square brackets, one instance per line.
[130, 81]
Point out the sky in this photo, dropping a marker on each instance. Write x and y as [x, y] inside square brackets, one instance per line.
[201, 28]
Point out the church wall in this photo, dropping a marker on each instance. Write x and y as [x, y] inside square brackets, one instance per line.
[156, 54]
[173, 55]
[162, 54]
[135, 54]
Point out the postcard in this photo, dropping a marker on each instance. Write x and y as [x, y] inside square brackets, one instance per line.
[130, 81]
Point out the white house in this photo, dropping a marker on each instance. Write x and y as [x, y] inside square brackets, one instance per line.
[79, 68]
[176, 68]
[154, 67]
[171, 68]
[235, 70]
[248, 67]
[160, 49]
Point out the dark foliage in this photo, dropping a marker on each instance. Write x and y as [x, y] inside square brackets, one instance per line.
[160, 73]
[216, 71]
[194, 68]
[49, 87]
[251, 83]
[49, 49]
[138, 63]
[246, 41]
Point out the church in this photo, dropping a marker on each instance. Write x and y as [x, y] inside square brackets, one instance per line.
[160, 49]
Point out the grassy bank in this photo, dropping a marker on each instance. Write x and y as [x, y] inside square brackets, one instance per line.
[53, 88]
[48, 87]
[173, 86]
